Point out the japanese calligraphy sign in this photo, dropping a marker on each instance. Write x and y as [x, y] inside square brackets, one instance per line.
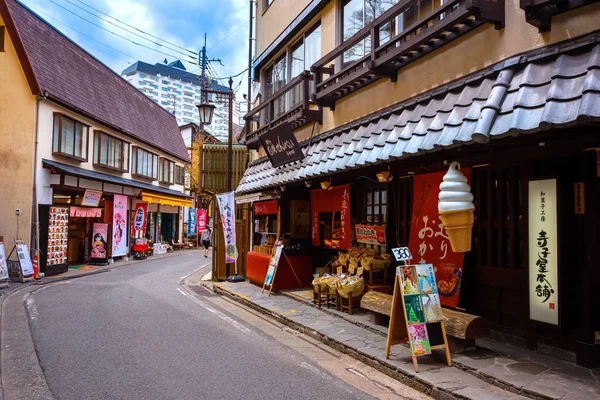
[370, 234]
[281, 145]
[579, 198]
[139, 219]
[333, 200]
[265, 207]
[428, 242]
[192, 222]
[543, 251]
[227, 209]
[202, 219]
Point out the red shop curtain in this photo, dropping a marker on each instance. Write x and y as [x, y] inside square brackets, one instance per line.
[336, 199]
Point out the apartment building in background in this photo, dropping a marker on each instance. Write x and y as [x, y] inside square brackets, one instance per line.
[178, 91]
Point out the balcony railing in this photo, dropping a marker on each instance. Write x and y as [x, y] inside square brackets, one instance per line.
[335, 79]
[289, 104]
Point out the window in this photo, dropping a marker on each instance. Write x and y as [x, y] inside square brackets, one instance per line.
[110, 152]
[1, 38]
[179, 175]
[142, 76]
[266, 4]
[144, 163]
[165, 82]
[178, 85]
[165, 103]
[165, 173]
[198, 91]
[142, 83]
[70, 138]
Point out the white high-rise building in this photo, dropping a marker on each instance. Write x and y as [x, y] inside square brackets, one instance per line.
[178, 91]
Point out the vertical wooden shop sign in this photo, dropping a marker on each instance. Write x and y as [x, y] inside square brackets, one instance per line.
[416, 315]
[579, 198]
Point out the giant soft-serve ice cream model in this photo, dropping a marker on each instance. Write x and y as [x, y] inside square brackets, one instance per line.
[456, 208]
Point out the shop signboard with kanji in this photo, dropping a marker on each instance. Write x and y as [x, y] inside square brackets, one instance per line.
[428, 241]
[192, 221]
[370, 234]
[334, 201]
[139, 219]
[226, 203]
[543, 251]
[119, 234]
[202, 220]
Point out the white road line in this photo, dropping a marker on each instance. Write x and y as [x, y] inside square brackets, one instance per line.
[33, 312]
[219, 314]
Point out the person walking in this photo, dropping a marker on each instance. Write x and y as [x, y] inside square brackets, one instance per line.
[206, 239]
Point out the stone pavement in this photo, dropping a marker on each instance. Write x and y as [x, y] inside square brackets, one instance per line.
[496, 371]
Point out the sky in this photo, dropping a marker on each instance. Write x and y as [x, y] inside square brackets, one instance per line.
[179, 25]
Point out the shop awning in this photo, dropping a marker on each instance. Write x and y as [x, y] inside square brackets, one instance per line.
[164, 200]
[66, 169]
[554, 88]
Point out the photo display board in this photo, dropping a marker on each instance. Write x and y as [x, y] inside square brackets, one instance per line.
[416, 314]
[273, 264]
[58, 235]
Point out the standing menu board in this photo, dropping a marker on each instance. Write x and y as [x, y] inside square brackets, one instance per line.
[273, 264]
[58, 235]
[416, 312]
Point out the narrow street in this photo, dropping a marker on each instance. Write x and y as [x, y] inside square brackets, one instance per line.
[132, 333]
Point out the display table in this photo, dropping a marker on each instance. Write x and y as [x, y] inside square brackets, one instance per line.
[160, 248]
[258, 263]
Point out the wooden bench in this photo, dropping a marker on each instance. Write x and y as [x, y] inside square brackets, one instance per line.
[462, 328]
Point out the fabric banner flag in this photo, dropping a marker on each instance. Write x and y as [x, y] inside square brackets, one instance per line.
[139, 220]
[428, 241]
[119, 238]
[227, 208]
[192, 222]
[202, 219]
[335, 200]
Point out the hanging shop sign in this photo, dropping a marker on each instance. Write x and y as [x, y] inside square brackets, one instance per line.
[428, 241]
[227, 209]
[58, 236]
[91, 198]
[99, 241]
[543, 251]
[202, 220]
[580, 198]
[3, 263]
[24, 259]
[192, 222]
[85, 212]
[335, 200]
[265, 207]
[139, 220]
[281, 145]
[119, 236]
[370, 234]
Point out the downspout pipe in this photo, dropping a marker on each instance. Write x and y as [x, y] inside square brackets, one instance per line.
[35, 215]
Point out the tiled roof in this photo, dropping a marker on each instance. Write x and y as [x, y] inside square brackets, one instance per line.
[554, 92]
[65, 73]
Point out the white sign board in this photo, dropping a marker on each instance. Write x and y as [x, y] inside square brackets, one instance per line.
[3, 263]
[543, 251]
[402, 254]
[24, 259]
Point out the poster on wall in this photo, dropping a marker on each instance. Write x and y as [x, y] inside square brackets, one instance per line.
[91, 198]
[139, 220]
[543, 251]
[192, 221]
[202, 220]
[428, 241]
[227, 209]
[99, 241]
[119, 236]
[58, 236]
[3, 264]
[370, 234]
[24, 259]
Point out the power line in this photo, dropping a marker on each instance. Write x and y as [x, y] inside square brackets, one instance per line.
[137, 29]
[120, 36]
[126, 30]
[230, 33]
[89, 37]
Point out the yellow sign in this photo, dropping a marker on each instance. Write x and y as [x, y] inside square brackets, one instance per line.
[166, 200]
[340, 270]
[351, 268]
[579, 198]
[360, 271]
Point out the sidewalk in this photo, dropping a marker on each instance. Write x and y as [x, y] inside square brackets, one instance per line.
[493, 371]
[87, 270]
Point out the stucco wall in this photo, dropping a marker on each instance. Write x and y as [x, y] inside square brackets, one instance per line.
[272, 21]
[17, 130]
[474, 51]
[46, 118]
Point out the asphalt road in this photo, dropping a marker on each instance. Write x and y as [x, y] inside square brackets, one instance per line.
[131, 334]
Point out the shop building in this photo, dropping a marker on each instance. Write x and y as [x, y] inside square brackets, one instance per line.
[381, 97]
[97, 148]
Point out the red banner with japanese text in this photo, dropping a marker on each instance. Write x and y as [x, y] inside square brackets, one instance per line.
[335, 200]
[428, 241]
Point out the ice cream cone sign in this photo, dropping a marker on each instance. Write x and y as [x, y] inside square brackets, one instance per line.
[456, 208]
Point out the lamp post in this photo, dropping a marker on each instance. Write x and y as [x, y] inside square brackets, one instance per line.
[206, 111]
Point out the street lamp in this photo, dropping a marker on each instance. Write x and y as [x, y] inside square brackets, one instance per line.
[206, 111]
